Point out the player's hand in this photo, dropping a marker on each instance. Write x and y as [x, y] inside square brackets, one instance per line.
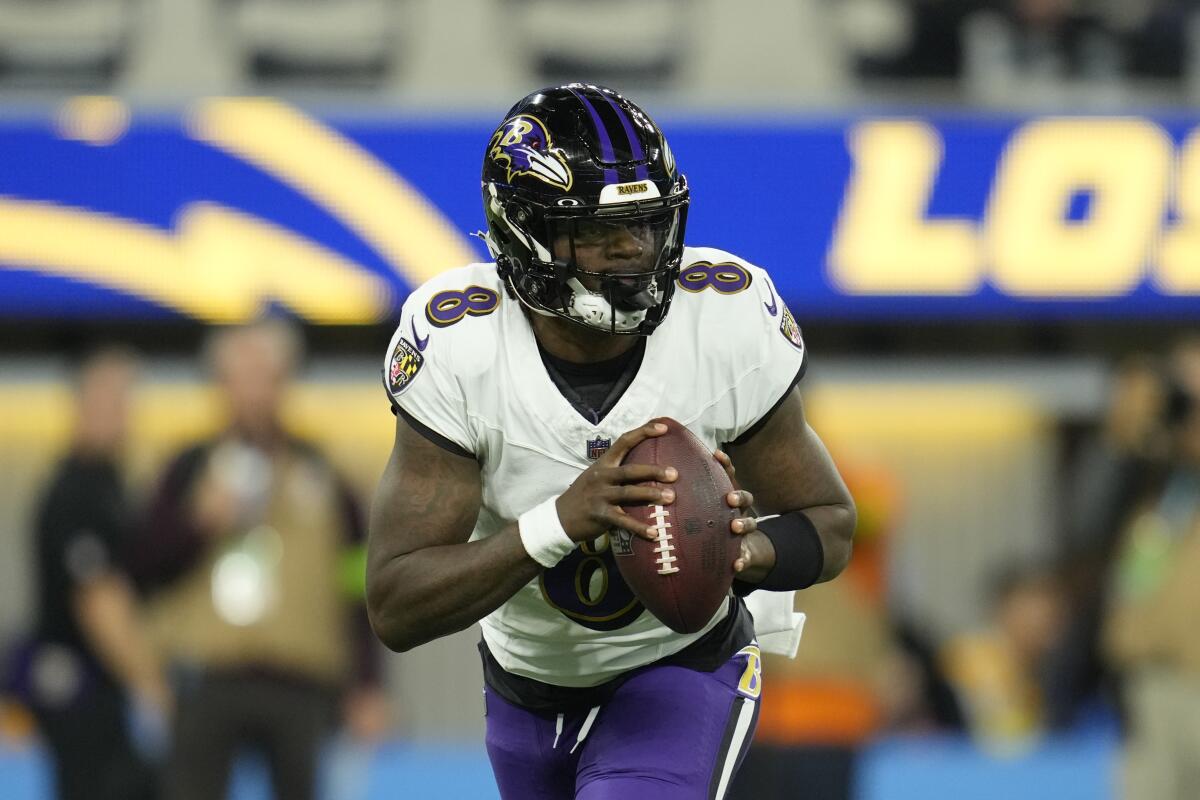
[751, 553]
[739, 498]
[151, 707]
[591, 506]
[215, 507]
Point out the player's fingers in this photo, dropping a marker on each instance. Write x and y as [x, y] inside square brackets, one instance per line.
[744, 558]
[634, 495]
[631, 439]
[639, 473]
[744, 525]
[727, 464]
[739, 498]
[615, 518]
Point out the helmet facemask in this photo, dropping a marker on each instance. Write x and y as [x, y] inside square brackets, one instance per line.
[640, 243]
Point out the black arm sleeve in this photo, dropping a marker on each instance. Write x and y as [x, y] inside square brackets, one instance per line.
[799, 555]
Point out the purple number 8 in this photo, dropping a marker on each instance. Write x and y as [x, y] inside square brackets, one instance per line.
[724, 278]
[447, 308]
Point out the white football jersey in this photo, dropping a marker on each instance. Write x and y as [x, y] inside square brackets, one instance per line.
[464, 363]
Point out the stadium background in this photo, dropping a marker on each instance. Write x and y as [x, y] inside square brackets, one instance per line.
[970, 240]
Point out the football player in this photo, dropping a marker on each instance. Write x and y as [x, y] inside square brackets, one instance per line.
[519, 387]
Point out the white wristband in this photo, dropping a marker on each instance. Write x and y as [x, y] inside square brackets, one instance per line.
[543, 535]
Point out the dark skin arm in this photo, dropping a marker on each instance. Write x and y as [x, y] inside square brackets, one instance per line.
[786, 468]
[426, 580]
[423, 579]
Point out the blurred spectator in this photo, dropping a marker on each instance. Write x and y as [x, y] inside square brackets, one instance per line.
[1151, 626]
[1108, 471]
[1185, 364]
[1158, 36]
[998, 672]
[1046, 40]
[934, 40]
[1001, 49]
[253, 553]
[1108, 478]
[915, 693]
[90, 659]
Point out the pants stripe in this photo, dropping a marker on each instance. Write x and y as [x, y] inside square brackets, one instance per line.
[586, 727]
[741, 716]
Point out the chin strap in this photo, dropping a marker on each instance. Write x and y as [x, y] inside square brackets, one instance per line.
[594, 309]
[490, 243]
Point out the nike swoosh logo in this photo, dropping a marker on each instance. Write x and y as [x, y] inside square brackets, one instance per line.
[772, 307]
[416, 338]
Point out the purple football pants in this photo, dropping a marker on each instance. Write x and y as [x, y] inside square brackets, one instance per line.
[669, 733]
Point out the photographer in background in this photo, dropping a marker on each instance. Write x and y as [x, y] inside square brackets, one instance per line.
[249, 552]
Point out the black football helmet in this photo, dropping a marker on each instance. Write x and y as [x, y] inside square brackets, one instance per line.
[569, 168]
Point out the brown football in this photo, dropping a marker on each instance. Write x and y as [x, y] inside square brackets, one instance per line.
[685, 575]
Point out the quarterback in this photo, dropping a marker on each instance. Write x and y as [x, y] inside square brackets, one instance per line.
[519, 386]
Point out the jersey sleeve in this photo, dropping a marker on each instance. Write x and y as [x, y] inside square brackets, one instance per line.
[771, 351]
[419, 377]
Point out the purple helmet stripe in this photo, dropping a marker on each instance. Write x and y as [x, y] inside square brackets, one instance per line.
[641, 172]
[606, 148]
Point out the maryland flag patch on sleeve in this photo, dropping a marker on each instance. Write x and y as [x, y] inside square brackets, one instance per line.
[791, 330]
[405, 363]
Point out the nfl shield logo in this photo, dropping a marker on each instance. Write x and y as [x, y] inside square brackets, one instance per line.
[596, 447]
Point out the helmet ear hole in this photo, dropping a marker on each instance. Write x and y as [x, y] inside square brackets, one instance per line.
[518, 213]
[532, 285]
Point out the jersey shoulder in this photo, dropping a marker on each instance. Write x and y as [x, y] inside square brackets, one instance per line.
[448, 297]
[716, 283]
[731, 305]
[708, 273]
[443, 322]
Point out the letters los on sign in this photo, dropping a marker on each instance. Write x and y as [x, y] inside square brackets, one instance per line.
[1077, 209]
[1143, 220]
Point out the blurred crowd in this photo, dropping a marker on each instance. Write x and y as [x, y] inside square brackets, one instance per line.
[991, 40]
[225, 617]
[820, 50]
[225, 614]
[1095, 635]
